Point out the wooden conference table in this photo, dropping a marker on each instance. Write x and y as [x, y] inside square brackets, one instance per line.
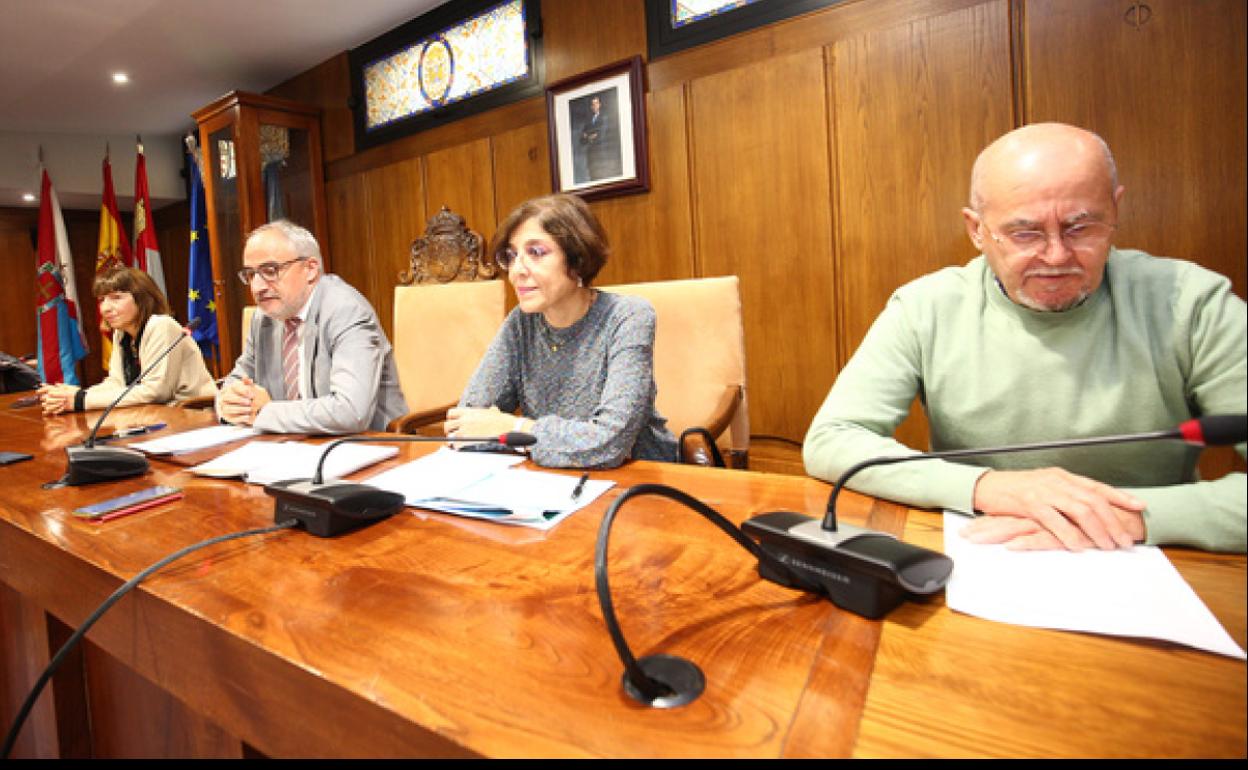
[431, 635]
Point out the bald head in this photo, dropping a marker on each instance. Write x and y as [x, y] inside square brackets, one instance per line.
[1044, 207]
[1036, 151]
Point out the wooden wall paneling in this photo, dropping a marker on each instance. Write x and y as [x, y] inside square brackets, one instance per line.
[761, 193]
[521, 159]
[811, 30]
[396, 198]
[173, 234]
[18, 333]
[480, 126]
[350, 226]
[1169, 97]
[913, 106]
[652, 234]
[462, 179]
[578, 36]
[328, 86]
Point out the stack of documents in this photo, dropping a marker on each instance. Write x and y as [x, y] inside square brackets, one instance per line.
[486, 486]
[264, 462]
[194, 440]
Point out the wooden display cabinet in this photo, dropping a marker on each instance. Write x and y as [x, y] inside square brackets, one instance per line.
[261, 161]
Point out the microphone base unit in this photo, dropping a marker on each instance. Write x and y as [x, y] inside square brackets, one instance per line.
[90, 465]
[681, 679]
[863, 571]
[326, 510]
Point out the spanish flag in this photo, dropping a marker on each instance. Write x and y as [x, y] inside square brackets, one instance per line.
[114, 248]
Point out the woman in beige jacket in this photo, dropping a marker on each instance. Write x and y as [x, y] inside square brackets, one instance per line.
[138, 313]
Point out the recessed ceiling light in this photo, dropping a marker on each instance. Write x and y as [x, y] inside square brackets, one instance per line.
[28, 197]
[121, 78]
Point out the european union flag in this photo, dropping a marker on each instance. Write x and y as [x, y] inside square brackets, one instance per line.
[201, 302]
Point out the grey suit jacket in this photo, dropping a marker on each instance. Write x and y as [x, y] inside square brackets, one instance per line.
[354, 384]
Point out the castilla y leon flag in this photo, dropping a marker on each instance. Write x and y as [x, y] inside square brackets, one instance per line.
[114, 248]
[60, 337]
[146, 249]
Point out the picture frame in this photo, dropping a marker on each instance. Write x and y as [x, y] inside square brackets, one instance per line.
[597, 131]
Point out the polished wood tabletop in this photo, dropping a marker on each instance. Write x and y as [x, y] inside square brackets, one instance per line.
[433, 635]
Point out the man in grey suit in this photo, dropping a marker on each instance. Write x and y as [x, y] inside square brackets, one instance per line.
[316, 359]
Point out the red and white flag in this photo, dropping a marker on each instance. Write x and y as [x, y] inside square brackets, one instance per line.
[146, 249]
[61, 343]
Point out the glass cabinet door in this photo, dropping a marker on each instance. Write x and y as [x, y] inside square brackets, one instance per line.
[264, 163]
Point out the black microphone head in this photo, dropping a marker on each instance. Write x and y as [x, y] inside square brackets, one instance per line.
[194, 324]
[1216, 430]
[517, 439]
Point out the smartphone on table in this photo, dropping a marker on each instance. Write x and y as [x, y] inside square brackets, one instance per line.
[127, 504]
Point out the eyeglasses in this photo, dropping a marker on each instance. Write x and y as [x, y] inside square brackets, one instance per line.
[269, 271]
[1082, 236]
[533, 254]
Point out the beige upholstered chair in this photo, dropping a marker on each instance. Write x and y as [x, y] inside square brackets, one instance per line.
[208, 402]
[699, 364]
[248, 312]
[445, 321]
[441, 332]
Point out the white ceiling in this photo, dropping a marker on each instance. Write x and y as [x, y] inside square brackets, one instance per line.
[57, 58]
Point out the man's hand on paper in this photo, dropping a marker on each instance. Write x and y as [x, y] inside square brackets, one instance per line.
[1050, 508]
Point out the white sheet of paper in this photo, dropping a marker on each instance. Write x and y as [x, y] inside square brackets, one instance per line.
[441, 473]
[264, 462]
[193, 440]
[1123, 593]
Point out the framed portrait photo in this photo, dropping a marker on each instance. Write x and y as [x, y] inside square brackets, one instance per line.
[597, 124]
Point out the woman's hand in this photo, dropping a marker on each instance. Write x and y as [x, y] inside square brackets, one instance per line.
[56, 399]
[471, 422]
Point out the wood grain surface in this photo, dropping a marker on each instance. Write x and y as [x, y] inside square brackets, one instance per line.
[431, 635]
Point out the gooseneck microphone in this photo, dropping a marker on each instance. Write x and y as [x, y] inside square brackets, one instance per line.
[88, 463]
[328, 509]
[869, 572]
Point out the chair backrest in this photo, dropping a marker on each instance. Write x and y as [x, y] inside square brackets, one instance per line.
[248, 312]
[699, 352]
[441, 331]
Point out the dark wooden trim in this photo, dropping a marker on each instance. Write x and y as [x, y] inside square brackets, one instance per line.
[480, 126]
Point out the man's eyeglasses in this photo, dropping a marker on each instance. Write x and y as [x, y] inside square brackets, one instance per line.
[533, 254]
[269, 271]
[1082, 236]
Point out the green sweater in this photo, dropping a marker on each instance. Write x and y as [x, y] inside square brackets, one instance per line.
[1159, 342]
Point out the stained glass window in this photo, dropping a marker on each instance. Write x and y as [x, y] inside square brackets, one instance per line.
[444, 66]
[674, 25]
[688, 11]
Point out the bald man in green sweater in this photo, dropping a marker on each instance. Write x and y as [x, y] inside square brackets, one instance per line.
[1051, 333]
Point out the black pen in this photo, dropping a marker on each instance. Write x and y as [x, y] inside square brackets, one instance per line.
[580, 485]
